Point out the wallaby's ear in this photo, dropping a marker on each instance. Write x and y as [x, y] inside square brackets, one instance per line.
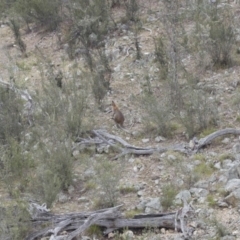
[113, 103]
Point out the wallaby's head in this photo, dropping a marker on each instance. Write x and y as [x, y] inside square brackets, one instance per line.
[114, 106]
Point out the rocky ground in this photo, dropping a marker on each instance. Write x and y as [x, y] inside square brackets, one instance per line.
[215, 195]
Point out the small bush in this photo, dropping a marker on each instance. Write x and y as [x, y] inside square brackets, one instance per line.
[94, 230]
[17, 35]
[161, 57]
[127, 189]
[54, 173]
[158, 115]
[14, 220]
[169, 191]
[211, 201]
[43, 12]
[202, 170]
[222, 40]
[11, 107]
[198, 112]
[107, 176]
[132, 213]
[132, 9]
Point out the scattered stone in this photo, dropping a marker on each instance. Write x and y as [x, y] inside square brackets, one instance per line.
[233, 198]
[222, 204]
[183, 195]
[171, 157]
[236, 148]
[71, 189]
[62, 198]
[234, 172]
[160, 139]
[111, 235]
[163, 230]
[232, 185]
[83, 200]
[226, 140]
[139, 193]
[153, 206]
[145, 140]
[128, 235]
[217, 165]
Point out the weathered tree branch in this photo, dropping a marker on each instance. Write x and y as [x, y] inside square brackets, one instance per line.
[110, 219]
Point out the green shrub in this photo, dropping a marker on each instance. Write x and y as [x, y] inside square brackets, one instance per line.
[54, 173]
[222, 40]
[15, 27]
[169, 191]
[107, 176]
[14, 221]
[158, 115]
[11, 107]
[43, 12]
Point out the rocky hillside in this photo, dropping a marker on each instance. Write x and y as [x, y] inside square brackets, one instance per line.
[173, 70]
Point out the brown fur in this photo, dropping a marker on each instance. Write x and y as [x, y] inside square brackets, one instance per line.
[117, 115]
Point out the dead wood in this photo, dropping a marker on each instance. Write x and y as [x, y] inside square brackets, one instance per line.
[109, 219]
[103, 137]
[209, 138]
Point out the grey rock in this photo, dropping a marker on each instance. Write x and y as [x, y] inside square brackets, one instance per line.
[236, 148]
[228, 238]
[83, 200]
[234, 172]
[71, 189]
[183, 195]
[199, 192]
[171, 157]
[218, 165]
[227, 163]
[226, 140]
[89, 173]
[233, 198]
[153, 206]
[145, 140]
[232, 185]
[160, 139]
[62, 198]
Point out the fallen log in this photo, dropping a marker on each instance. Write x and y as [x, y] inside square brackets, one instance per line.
[110, 219]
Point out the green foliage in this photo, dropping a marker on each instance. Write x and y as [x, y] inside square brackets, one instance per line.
[43, 12]
[132, 213]
[158, 115]
[132, 9]
[169, 191]
[63, 107]
[90, 23]
[211, 201]
[108, 176]
[15, 27]
[127, 189]
[54, 173]
[14, 221]
[161, 57]
[220, 229]
[16, 162]
[94, 230]
[202, 170]
[214, 35]
[222, 40]
[199, 112]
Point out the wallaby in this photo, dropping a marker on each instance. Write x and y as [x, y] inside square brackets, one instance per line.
[117, 115]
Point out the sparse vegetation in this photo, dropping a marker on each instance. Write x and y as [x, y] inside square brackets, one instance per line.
[108, 177]
[169, 191]
[173, 64]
